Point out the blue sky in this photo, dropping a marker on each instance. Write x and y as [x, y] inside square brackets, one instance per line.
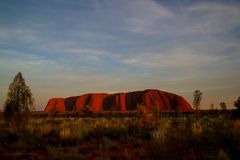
[71, 47]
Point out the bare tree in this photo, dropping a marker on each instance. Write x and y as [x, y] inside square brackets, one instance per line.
[223, 105]
[19, 100]
[197, 97]
[212, 106]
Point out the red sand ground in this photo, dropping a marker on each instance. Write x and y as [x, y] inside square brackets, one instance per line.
[97, 102]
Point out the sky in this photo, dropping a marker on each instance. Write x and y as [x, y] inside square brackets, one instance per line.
[70, 47]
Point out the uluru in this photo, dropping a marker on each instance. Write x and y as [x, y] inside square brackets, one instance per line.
[96, 102]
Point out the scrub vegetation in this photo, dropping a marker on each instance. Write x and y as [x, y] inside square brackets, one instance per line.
[146, 135]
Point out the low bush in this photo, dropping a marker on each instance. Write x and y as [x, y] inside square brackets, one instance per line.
[169, 138]
[65, 153]
[139, 132]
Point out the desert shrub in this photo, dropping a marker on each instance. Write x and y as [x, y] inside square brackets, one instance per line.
[219, 154]
[139, 132]
[236, 124]
[45, 129]
[196, 128]
[206, 138]
[1, 150]
[117, 133]
[222, 133]
[87, 110]
[63, 153]
[110, 132]
[147, 118]
[53, 112]
[10, 135]
[65, 133]
[109, 143]
[160, 133]
[54, 132]
[177, 146]
[79, 132]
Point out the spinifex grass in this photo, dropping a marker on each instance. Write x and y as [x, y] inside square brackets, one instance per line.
[178, 137]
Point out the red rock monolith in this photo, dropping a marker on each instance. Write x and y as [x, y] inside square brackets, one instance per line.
[96, 102]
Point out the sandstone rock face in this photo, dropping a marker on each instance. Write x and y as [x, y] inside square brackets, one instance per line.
[97, 102]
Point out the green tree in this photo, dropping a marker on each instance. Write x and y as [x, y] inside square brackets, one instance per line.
[237, 103]
[197, 97]
[19, 101]
[236, 113]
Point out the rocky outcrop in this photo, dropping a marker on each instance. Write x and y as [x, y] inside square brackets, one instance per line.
[97, 102]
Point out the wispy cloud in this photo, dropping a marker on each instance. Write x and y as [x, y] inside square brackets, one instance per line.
[30, 63]
[142, 14]
[26, 35]
[89, 52]
[182, 58]
[123, 45]
[212, 17]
